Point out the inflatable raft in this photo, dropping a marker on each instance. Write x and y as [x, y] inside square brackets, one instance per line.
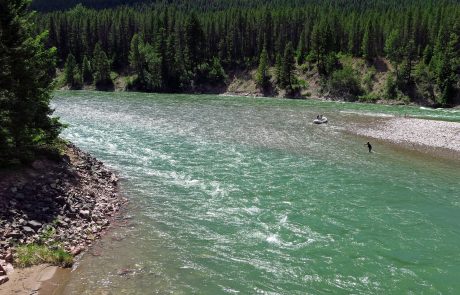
[321, 120]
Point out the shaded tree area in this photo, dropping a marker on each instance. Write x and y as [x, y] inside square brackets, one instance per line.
[26, 72]
[177, 49]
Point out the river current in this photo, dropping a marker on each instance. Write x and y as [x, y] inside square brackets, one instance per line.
[232, 195]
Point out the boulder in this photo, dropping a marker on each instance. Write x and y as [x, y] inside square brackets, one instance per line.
[9, 257]
[27, 230]
[3, 279]
[34, 224]
[13, 234]
[84, 213]
[77, 250]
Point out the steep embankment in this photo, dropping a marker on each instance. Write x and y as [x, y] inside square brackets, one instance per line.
[64, 204]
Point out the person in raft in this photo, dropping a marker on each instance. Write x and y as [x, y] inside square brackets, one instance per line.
[369, 146]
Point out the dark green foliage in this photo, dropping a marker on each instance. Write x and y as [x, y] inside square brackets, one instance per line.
[101, 67]
[368, 43]
[185, 36]
[425, 80]
[194, 41]
[216, 73]
[278, 69]
[26, 73]
[446, 69]
[286, 78]
[393, 48]
[211, 73]
[391, 90]
[323, 48]
[146, 63]
[405, 76]
[72, 73]
[344, 83]
[302, 51]
[86, 71]
[262, 75]
[136, 59]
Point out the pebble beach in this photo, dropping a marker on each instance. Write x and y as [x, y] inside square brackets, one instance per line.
[420, 134]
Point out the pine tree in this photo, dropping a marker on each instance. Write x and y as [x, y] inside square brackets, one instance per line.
[194, 40]
[393, 49]
[278, 69]
[446, 70]
[25, 85]
[322, 46]
[135, 59]
[301, 50]
[69, 70]
[101, 67]
[237, 34]
[287, 68]
[407, 64]
[427, 54]
[86, 72]
[368, 46]
[216, 73]
[262, 75]
[153, 78]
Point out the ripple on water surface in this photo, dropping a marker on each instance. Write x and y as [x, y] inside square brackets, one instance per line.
[233, 195]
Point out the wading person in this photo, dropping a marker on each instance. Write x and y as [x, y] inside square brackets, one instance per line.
[369, 146]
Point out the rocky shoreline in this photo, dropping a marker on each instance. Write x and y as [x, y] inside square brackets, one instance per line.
[419, 134]
[70, 202]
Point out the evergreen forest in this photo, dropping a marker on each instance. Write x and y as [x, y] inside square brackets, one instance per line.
[176, 46]
[27, 69]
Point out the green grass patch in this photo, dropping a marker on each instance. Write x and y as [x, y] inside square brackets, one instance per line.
[370, 97]
[33, 254]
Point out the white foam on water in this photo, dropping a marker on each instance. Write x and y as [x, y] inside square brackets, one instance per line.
[273, 239]
[263, 200]
[252, 210]
[229, 290]
[368, 114]
[283, 220]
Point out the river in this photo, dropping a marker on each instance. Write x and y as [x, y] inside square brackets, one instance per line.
[232, 195]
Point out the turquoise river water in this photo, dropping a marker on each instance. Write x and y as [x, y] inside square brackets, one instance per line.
[233, 195]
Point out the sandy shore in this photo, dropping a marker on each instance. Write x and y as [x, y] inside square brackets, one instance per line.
[40, 279]
[414, 133]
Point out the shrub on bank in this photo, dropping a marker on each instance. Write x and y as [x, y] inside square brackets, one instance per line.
[370, 97]
[344, 83]
[33, 254]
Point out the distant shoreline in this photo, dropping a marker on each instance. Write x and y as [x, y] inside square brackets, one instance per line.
[414, 133]
[234, 90]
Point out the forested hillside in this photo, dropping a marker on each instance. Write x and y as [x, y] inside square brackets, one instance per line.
[166, 47]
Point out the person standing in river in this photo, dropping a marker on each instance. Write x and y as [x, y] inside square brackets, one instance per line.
[369, 146]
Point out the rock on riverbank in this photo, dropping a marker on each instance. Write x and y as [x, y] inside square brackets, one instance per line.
[70, 201]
